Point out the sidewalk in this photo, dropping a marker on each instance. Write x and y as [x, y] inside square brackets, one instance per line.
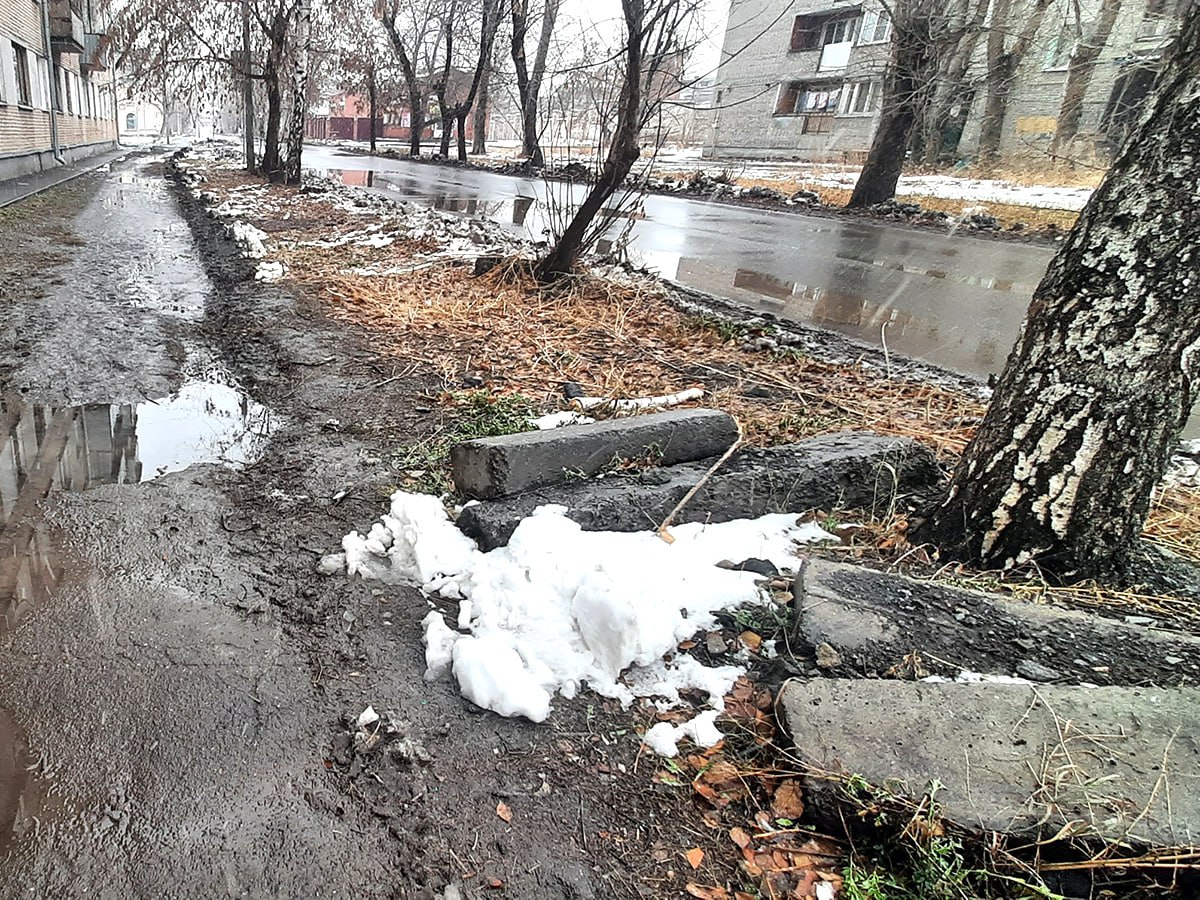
[23, 186]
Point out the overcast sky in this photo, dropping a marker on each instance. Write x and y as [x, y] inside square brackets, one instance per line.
[604, 16]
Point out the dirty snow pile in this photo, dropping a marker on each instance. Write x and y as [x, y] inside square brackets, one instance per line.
[560, 608]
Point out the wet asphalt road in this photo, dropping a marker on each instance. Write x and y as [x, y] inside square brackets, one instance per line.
[955, 301]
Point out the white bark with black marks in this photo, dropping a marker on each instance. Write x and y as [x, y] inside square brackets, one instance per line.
[1103, 376]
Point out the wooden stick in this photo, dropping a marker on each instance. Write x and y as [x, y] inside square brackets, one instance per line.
[662, 529]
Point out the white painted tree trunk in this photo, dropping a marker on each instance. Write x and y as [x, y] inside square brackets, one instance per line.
[1104, 374]
[295, 144]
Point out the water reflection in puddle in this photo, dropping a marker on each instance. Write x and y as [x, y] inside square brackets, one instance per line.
[72, 448]
[14, 763]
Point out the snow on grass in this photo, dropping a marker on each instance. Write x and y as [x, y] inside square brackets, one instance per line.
[559, 608]
[974, 190]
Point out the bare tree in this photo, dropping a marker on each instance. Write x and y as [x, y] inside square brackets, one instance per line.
[1003, 60]
[410, 26]
[655, 35]
[1102, 379]
[1089, 44]
[920, 33]
[955, 89]
[456, 93]
[529, 84]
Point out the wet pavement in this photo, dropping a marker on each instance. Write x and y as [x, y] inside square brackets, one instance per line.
[158, 732]
[955, 301]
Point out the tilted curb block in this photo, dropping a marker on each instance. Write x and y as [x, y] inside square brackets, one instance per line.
[501, 466]
[857, 470]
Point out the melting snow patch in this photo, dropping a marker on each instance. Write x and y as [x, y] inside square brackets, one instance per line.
[560, 608]
[250, 239]
[268, 271]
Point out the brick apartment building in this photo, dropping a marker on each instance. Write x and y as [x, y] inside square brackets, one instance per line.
[804, 80]
[56, 89]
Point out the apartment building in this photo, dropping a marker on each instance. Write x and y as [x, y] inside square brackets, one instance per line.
[804, 79]
[56, 87]
[799, 80]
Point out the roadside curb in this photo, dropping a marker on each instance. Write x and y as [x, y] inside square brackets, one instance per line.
[70, 174]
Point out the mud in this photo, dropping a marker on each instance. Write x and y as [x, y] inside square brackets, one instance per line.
[176, 685]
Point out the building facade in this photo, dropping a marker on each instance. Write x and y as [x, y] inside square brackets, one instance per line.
[804, 80]
[800, 81]
[56, 88]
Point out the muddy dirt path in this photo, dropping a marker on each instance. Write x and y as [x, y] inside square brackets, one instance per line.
[176, 682]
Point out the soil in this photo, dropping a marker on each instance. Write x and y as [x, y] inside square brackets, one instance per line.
[178, 686]
[184, 678]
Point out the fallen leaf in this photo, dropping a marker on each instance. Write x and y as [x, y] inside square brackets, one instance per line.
[788, 802]
[720, 784]
[495, 884]
[751, 640]
[695, 856]
[739, 837]
[707, 892]
[503, 811]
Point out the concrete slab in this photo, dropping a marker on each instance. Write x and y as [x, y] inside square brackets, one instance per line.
[857, 470]
[1117, 763]
[500, 466]
[874, 619]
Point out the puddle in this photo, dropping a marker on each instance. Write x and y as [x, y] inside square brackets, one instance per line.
[73, 448]
[14, 775]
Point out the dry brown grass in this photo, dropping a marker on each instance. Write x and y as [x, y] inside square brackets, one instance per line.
[1007, 213]
[621, 340]
[1174, 520]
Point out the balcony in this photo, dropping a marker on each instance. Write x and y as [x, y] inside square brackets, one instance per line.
[66, 27]
[95, 56]
[835, 57]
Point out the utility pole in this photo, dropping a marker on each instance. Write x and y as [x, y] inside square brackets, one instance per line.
[247, 88]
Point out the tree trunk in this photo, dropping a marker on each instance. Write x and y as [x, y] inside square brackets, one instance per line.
[1002, 69]
[1103, 376]
[272, 164]
[531, 138]
[416, 121]
[955, 92]
[995, 109]
[447, 130]
[373, 103]
[1079, 76]
[907, 86]
[479, 122]
[622, 153]
[292, 166]
[520, 24]
[460, 125]
[881, 172]
[416, 93]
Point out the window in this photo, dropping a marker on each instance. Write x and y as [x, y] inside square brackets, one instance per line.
[68, 93]
[805, 33]
[130, 122]
[24, 95]
[800, 98]
[839, 31]
[876, 27]
[860, 98]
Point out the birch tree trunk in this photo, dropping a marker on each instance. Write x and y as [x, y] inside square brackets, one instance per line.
[295, 145]
[1103, 376]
